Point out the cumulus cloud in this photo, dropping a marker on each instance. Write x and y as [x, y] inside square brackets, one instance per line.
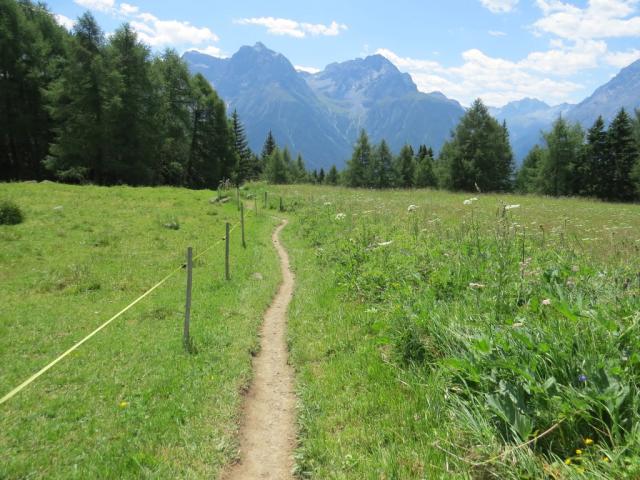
[99, 5]
[161, 33]
[66, 22]
[127, 9]
[211, 50]
[599, 19]
[499, 6]
[293, 28]
[622, 59]
[496, 80]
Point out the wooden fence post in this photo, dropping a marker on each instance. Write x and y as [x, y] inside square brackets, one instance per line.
[256, 204]
[244, 245]
[186, 338]
[226, 253]
[238, 197]
[281, 206]
[265, 200]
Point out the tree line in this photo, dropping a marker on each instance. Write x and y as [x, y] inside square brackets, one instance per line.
[80, 107]
[602, 162]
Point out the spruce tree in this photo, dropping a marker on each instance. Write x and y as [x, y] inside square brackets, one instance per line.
[528, 177]
[405, 167]
[479, 154]
[424, 172]
[381, 173]
[332, 176]
[276, 171]
[624, 155]
[242, 170]
[321, 176]
[77, 104]
[563, 149]
[598, 172]
[358, 167]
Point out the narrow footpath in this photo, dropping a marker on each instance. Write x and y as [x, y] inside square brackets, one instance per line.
[267, 433]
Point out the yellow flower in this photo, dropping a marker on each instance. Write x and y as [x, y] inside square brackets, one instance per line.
[567, 461]
[588, 441]
[578, 452]
[123, 404]
[605, 459]
[580, 470]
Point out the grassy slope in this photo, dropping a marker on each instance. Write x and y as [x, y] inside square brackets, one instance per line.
[66, 270]
[388, 340]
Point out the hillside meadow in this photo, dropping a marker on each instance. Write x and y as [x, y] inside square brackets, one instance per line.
[129, 403]
[440, 335]
[434, 335]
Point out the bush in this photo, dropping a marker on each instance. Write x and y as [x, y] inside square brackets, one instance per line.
[10, 213]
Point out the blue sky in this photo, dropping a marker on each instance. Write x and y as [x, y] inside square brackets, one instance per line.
[499, 50]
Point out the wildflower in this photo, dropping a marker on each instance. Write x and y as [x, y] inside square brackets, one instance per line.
[341, 216]
[546, 302]
[476, 285]
[384, 244]
[412, 208]
[578, 452]
[123, 404]
[605, 459]
[588, 441]
[582, 378]
[467, 202]
[326, 204]
[470, 201]
[511, 207]
[567, 461]
[580, 470]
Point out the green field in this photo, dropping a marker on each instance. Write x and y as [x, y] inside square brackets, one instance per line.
[441, 341]
[130, 403]
[426, 348]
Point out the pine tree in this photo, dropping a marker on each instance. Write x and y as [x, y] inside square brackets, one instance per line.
[424, 172]
[405, 167]
[598, 173]
[242, 170]
[130, 112]
[269, 145]
[321, 176]
[77, 104]
[479, 154]
[624, 155]
[358, 167]
[176, 97]
[332, 176]
[563, 149]
[33, 49]
[276, 170]
[381, 173]
[527, 179]
[298, 172]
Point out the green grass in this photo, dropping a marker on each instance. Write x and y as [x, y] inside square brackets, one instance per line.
[130, 403]
[436, 355]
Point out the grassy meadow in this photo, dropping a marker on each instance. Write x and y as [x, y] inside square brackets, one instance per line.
[129, 403]
[493, 339]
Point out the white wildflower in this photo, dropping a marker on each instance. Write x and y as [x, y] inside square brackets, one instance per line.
[511, 207]
[327, 204]
[384, 244]
[341, 216]
[470, 201]
[546, 302]
[412, 208]
[476, 285]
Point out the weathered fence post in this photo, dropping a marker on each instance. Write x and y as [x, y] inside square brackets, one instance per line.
[186, 338]
[256, 204]
[244, 245]
[281, 206]
[226, 253]
[238, 197]
[265, 200]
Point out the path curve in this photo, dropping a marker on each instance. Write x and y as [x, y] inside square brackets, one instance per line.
[267, 433]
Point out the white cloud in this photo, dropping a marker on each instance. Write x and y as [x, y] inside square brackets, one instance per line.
[497, 33]
[497, 81]
[622, 59]
[293, 28]
[599, 19]
[211, 50]
[499, 6]
[160, 33]
[99, 5]
[127, 9]
[311, 70]
[66, 22]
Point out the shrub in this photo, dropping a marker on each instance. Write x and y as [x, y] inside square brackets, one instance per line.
[10, 213]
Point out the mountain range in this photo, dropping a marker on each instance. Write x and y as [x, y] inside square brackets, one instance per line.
[320, 115]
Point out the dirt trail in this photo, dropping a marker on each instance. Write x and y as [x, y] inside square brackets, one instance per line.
[267, 434]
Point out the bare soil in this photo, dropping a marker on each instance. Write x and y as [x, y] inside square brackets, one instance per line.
[267, 433]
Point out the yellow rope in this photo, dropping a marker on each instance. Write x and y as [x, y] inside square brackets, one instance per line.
[33, 377]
